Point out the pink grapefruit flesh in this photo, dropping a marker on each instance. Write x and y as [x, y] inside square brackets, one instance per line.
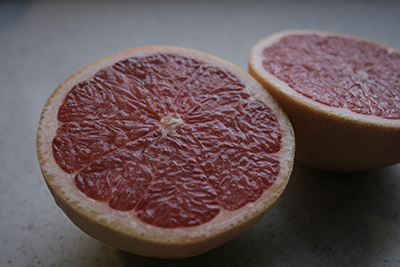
[339, 72]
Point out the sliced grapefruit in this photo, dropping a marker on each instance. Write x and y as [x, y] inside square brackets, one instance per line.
[164, 151]
[341, 93]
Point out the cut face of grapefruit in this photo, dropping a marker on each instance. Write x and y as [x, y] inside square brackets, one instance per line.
[341, 93]
[164, 151]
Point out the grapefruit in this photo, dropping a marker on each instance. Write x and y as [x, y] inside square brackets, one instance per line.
[341, 93]
[164, 151]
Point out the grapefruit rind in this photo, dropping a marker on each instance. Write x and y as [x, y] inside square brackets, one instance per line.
[122, 229]
[329, 138]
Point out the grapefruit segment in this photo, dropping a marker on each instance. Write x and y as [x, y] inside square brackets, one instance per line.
[164, 151]
[77, 144]
[341, 93]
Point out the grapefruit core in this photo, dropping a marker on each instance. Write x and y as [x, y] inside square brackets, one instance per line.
[341, 93]
[164, 151]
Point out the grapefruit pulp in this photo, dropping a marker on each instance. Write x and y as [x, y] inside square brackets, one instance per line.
[341, 93]
[164, 151]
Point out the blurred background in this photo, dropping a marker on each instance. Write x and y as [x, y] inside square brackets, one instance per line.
[322, 219]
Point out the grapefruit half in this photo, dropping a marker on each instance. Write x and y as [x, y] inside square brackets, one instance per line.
[164, 151]
[341, 93]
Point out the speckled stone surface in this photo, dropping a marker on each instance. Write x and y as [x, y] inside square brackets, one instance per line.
[323, 219]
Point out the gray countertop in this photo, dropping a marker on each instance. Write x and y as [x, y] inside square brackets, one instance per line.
[322, 219]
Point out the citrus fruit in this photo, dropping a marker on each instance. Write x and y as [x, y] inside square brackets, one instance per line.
[341, 93]
[164, 151]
